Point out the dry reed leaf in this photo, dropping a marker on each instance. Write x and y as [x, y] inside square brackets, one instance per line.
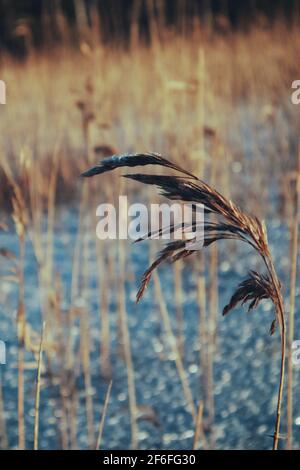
[253, 289]
[131, 160]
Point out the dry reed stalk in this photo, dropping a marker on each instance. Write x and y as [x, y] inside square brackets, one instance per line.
[77, 255]
[104, 293]
[179, 306]
[21, 421]
[32, 178]
[120, 260]
[63, 428]
[85, 338]
[72, 413]
[38, 390]
[124, 338]
[213, 259]
[86, 117]
[201, 72]
[202, 330]
[79, 287]
[61, 352]
[213, 294]
[85, 355]
[173, 344]
[69, 418]
[103, 416]
[71, 365]
[36, 213]
[3, 433]
[211, 335]
[21, 325]
[199, 432]
[232, 224]
[127, 351]
[291, 327]
[205, 300]
[212, 313]
[105, 327]
[70, 403]
[210, 376]
[51, 213]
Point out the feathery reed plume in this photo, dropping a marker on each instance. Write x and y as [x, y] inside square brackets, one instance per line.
[137, 159]
[199, 427]
[234, 224]
[255, 288]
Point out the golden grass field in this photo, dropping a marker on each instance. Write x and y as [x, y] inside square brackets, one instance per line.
[173, 91]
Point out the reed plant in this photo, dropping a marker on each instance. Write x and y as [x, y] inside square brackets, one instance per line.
[229, 223]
